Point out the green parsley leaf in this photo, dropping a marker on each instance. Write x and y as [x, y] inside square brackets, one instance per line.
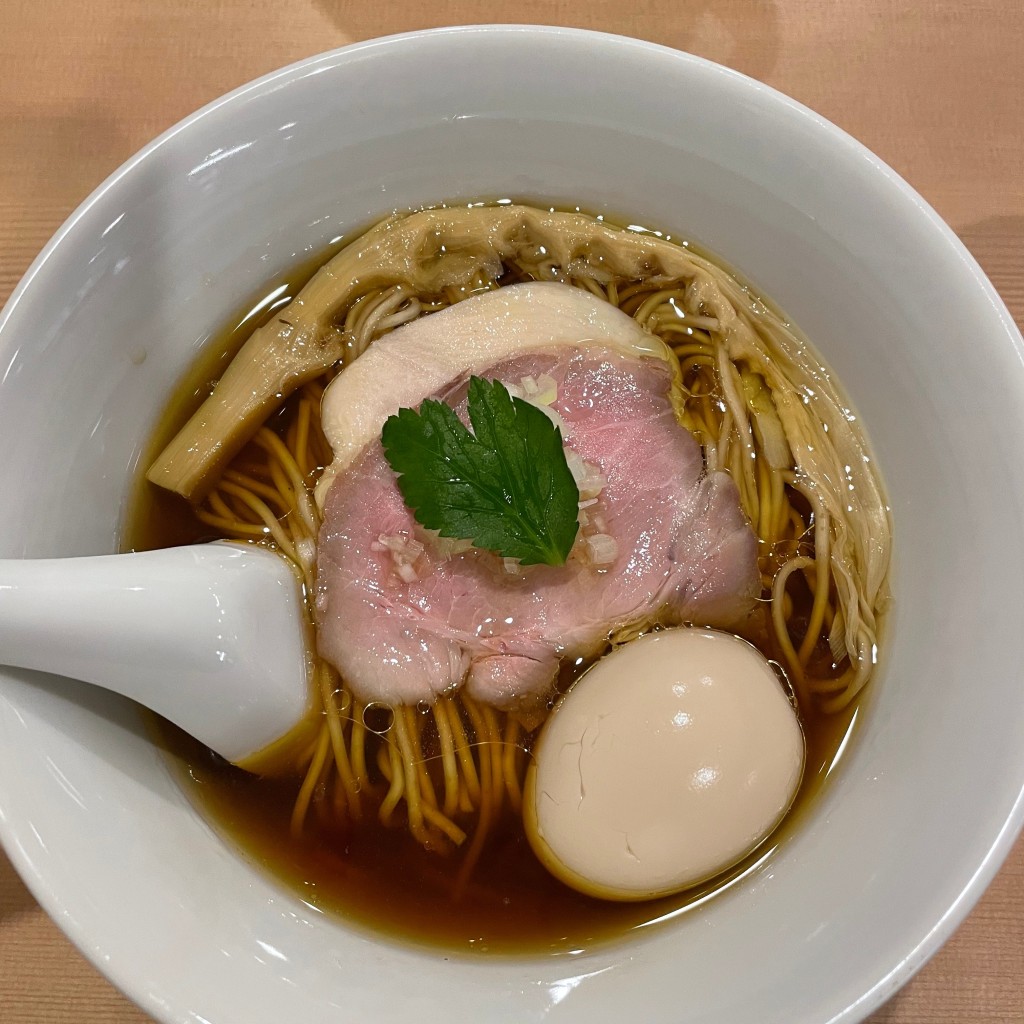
[506, 486]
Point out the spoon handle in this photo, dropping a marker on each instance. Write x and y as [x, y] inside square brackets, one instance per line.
[212, 636]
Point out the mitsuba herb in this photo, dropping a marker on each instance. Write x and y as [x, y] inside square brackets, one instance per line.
[505, 485]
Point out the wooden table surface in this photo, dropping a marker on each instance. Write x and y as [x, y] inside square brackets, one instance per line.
[935, 87]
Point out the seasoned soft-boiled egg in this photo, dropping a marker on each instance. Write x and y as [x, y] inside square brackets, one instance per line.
[667, 762]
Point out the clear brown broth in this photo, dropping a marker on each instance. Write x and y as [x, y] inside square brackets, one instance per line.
[377, 877]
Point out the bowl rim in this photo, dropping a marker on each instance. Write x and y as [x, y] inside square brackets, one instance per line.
[928, 943]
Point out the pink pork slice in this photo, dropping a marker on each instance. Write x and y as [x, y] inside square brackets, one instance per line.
[685, 553]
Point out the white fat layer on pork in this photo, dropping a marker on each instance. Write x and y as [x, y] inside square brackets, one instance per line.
[421, 358]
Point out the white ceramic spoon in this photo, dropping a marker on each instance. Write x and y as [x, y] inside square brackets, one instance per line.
[213, 637]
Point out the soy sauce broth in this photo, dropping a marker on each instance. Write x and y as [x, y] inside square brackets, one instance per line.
[377, 877]
[382, 880]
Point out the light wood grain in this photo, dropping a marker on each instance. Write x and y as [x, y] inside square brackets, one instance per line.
[934, 88]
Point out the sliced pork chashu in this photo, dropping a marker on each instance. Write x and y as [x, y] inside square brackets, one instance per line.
[405, 618]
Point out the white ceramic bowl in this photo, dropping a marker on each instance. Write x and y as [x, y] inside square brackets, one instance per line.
[925, 803]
